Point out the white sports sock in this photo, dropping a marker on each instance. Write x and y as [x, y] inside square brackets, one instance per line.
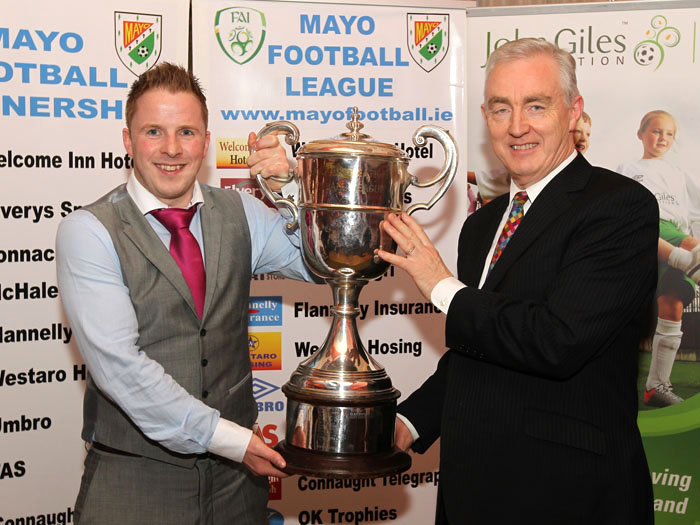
[667, 341]
[681, 259]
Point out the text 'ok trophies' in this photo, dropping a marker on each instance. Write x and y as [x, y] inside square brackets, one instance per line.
[341, 405]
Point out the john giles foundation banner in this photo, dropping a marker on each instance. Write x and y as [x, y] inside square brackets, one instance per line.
[632, 59]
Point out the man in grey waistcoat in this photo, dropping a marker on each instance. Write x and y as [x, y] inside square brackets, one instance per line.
[160, 317]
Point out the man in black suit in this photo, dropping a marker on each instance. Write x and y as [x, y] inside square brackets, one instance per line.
[535, 400]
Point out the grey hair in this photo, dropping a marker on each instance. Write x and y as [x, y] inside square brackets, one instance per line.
[530, 47]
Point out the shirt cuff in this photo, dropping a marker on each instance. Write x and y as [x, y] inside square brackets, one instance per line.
[290, 191]
[444, 292]
[410, 427]
[230, 440]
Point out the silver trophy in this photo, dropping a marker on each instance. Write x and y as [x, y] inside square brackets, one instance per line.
[341, 405]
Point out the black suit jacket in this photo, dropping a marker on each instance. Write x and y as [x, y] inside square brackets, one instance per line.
[535, 401]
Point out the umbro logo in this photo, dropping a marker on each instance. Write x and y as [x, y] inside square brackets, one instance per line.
[262, 388]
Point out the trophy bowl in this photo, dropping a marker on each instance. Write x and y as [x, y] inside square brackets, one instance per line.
[341, 405]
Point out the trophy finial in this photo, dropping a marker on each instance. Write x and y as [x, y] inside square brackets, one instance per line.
[355, 126]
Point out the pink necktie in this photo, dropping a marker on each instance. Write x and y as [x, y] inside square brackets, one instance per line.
[185, 250]
[516, 214]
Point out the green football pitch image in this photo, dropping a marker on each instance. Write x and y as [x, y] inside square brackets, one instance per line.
[685, 378]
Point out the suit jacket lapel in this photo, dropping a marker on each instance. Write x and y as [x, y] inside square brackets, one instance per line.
[212, 228]
[554, 200]
[478, 249]
[137, 229]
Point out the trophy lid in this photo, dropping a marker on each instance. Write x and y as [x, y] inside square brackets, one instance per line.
[352, 142]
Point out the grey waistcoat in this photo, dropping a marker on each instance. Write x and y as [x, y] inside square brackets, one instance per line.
[209, 357]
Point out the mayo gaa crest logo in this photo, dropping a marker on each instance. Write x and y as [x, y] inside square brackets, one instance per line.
[428, 38]
[240, 32]
[137, 38]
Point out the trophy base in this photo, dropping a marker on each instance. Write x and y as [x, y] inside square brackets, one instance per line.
[343, 466]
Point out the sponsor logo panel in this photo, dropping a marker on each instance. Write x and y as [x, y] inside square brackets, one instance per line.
[268, 434]
[245, 185]
[260, 390]
[263, 388]
[275, 492]
[274, 517]
[232, 153]
[265, 311]
[265, 350]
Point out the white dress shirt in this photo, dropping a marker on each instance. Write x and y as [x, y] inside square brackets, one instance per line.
[442, 294]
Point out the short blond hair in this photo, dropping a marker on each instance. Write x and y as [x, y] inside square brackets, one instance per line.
[657, 113]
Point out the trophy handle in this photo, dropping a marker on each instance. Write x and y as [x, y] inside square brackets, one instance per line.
[291, 133]
[449, 167]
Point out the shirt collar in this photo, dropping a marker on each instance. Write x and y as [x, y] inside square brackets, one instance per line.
[535, 189]
[146, 202]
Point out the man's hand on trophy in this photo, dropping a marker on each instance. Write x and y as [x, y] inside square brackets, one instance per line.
[268, 158]
[404, 438]
[262, 460]
[421, 260]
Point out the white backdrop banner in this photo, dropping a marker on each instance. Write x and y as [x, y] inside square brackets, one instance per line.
[65, 68]
[310, 63]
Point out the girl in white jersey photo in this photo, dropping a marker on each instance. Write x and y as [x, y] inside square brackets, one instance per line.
[679, 255]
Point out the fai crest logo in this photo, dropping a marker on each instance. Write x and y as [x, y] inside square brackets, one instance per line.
[240, 32]
[428, 38]
[137, 38]
[651, 50]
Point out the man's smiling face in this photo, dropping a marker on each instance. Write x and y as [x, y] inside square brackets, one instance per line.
[529, 120]
[167, 141]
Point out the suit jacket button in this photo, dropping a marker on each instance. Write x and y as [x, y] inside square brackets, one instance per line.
[202, 332]
[205, 394]
[205, 362]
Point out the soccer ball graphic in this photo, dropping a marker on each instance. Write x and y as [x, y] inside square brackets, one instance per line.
[240, 38]
[143, 51]
[651, 51]
[432, 48]
[647, 53]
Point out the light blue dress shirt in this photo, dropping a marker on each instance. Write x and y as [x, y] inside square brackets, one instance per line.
[105, 326]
